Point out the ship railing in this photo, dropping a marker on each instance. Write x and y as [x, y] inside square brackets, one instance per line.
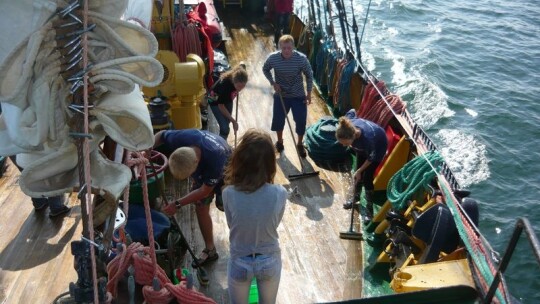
[420, 135]
[522, 224]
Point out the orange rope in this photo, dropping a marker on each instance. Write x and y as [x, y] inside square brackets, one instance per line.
[186, 41]
[340, 66]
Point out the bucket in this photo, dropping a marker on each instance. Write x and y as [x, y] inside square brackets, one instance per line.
[253, 292]
[135, 188]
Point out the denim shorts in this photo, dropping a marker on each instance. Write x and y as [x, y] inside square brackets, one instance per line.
[265, 268]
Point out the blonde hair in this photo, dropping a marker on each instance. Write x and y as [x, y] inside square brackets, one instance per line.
[253, 162]
[285, 39]
[238, 74]
[345, 129]
[183, 162]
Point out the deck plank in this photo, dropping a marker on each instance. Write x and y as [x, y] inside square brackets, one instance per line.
[317, 265]
[35, 257]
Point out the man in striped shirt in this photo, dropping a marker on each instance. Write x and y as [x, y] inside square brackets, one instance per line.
[287, 81]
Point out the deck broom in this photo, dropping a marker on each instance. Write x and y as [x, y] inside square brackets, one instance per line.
[304, 173]
[351, 234]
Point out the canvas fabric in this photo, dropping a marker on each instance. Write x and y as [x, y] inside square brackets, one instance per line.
[23, 17]
[140, 10]
[35, 98]
[56, 172]
[126, 119]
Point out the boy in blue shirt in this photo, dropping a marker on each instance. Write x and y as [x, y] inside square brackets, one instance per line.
[201, 155]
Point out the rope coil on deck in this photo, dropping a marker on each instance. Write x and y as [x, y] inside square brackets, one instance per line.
[416, 174]
[320, 141]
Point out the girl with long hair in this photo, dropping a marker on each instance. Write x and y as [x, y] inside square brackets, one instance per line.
[222, 95]
[254, 207]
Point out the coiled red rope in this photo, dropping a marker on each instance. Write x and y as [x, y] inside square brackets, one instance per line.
[373, 107]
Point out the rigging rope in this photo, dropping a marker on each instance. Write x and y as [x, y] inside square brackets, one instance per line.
[86, 155]
[365, 21]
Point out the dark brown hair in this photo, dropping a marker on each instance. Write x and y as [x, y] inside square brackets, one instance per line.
[253, 162]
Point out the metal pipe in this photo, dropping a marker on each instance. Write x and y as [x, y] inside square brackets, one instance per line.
[522, 223]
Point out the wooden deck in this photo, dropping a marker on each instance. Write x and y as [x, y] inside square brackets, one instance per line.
[36, 264]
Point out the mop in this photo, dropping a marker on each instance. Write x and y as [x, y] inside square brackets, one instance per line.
[304, 173]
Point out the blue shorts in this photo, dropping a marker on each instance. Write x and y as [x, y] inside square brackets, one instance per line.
[217, 191]
[299, 110]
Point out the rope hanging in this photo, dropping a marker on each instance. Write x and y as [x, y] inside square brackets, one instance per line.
[185, 37]
[373, 107]
[343, 100]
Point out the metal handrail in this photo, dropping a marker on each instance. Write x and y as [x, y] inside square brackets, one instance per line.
[533, 240]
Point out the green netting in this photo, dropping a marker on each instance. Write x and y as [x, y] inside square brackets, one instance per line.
[475, 245]
[415, 175]
[321, 144]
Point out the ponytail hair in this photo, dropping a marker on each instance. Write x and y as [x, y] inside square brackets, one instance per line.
[238, 74]
[345, 129]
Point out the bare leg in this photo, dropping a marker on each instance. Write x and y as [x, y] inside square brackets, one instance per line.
[205, 224]
[300, 138]
[279, 136]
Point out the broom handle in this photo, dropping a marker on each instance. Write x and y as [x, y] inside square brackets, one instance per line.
[236, 117]
[355, 191]
[290, 129]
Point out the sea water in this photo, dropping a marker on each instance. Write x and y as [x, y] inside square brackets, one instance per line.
[468, 71]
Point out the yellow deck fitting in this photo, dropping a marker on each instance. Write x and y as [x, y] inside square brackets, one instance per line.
[432, 275]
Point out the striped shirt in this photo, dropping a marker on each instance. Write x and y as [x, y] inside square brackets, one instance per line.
[288, 73]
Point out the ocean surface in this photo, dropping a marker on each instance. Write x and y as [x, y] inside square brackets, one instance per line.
[469, 73]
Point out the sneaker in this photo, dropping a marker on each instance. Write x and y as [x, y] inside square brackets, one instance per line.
[301, 150]
[61, 211]
[279, 146]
